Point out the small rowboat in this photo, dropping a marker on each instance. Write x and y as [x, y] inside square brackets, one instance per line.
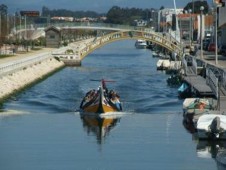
[101, 100]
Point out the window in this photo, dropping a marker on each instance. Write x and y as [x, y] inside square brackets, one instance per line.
[52, 36]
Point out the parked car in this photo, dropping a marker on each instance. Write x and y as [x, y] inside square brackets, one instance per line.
[222, 50]
[211, 47]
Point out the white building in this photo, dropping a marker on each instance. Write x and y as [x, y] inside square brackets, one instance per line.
[141, 23]
[222, 24]
[165, 16]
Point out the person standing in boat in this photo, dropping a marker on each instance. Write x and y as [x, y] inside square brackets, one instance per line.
[105, 87]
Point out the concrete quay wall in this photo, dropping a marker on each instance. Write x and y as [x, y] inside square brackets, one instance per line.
[13, 82]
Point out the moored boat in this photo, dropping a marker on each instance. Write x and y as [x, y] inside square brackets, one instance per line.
[211, 126]
[140, 44]
[195, 107]
[163, 64]
[101, 100]
[184, 90]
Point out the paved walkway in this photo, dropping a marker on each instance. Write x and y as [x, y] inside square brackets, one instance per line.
[76, 45]
[22, 55]
[209, 57]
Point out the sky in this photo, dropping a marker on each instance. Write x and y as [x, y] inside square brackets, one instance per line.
[101, 6]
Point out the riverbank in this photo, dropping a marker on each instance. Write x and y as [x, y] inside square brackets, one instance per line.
[14, 82]
[24, 69]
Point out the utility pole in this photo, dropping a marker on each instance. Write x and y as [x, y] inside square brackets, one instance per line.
[0, 27]
[201, 32]
[175, 10]
[216, 41]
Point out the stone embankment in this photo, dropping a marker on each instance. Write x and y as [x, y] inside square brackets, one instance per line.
[25, 69]
[13, 82]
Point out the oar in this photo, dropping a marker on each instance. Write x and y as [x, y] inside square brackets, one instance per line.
[102, 80]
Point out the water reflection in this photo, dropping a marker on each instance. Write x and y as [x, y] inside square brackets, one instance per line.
[189, 126]
[221, 160]
[208, 149]
[100, 126]
[215, 149]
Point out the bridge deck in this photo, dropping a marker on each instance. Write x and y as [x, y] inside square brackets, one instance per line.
[199, 84]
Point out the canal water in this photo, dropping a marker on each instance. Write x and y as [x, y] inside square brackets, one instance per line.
[42, 128]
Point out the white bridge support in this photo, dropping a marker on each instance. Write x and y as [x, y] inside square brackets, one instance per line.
[123, 35]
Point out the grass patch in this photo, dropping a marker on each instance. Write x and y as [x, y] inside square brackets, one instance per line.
[6, 55]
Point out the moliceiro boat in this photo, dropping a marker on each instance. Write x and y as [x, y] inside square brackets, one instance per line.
[101, 100]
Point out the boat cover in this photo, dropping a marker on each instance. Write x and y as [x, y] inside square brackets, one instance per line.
[196, 103]
[183, 87]
[205, 121]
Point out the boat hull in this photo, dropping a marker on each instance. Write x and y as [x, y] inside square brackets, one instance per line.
[202, 134]
[100, 108]
[100, 102]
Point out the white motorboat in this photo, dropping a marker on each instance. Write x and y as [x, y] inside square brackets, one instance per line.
[141, 44]
[163, 64]
[211, 126]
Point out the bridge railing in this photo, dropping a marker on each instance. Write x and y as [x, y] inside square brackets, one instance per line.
[150, 36]
[81, 24]
[185, 65]
[224, 79]
[194, 66]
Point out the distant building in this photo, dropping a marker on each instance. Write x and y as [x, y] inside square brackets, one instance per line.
[141, 23]
[154, 19]
[69, 19]
[190, 26]
[165, 17]
[222, 24]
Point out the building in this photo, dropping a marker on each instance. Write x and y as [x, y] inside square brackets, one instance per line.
[222, 24]
[141, 23]
[165, 18]
[53, 37]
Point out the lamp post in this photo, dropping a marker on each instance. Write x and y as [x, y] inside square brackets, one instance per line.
[177, 28]
[0, 27]
[190, 32]
[216, 45]
[201, 31]
[25, 26]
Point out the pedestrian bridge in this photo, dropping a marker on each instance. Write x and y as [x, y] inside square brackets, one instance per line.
[127, 35]
[116, 33]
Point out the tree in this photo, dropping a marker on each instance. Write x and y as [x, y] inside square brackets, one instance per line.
[3, 24]
[126, 16]
[162, 7]
[197, 5]
[68, 13]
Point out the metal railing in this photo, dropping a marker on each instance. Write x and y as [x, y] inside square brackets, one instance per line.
[224, 79]
[11, 67]
[190, 65]
[212, 81]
